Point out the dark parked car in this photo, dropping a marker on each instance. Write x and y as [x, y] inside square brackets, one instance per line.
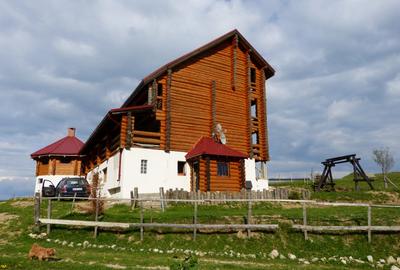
[67, 187]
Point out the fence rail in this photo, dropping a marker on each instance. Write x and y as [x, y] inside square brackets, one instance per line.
[135, 201]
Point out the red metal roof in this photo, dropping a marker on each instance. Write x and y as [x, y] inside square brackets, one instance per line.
[68, 146]
[207, 146]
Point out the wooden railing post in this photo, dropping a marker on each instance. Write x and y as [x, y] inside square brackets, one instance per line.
[36, 216]
[48, 214]
[141, 221]
[96, 216]
[369, 224]
[305, 221]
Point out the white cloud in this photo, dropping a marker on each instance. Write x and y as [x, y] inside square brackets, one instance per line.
[74, 48]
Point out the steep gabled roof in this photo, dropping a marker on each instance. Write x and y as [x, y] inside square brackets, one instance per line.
[67, 146]
[269, 71]
[207, 146]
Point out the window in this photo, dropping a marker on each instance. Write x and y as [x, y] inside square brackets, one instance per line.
[65, 160]
[254, 108]
[223, 168]
[181, 168]
[143, 166]
[254, 138]
[45, 161]
[252, 75]
[159, 89]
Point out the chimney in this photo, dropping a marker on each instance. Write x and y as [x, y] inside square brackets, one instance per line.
[71, 132]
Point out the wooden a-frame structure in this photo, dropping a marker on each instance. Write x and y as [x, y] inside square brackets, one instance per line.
[326, 181]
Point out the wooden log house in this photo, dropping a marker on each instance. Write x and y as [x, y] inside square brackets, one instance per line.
[144, 142]
[58, 160]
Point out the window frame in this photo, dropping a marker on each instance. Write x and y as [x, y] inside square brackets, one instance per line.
[183, 173]
[143, 166]
[223, 171]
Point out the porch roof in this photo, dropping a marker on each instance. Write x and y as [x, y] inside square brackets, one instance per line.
[207, 146]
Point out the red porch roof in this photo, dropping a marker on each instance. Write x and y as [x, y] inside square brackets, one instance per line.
[67, 146]
[207, 146]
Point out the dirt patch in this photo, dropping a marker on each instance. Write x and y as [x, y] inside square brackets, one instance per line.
[5, 217]
[21, 204]
[391, 196]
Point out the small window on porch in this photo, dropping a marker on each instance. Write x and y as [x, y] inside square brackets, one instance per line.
[181, 168]
[143, 166]
[222, 168]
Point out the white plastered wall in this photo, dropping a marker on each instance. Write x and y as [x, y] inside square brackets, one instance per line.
[258, 184]
[162, 171]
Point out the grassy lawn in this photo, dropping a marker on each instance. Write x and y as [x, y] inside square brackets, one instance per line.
[171, 249]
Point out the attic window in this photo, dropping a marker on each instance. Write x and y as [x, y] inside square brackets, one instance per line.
[45, 161]
[252, 75]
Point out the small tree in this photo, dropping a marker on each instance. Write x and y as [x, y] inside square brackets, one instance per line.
[385, 160]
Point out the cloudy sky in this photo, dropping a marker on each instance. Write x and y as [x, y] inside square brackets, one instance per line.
[66, 63]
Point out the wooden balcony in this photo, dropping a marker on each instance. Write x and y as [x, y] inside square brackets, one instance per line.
[146, 138]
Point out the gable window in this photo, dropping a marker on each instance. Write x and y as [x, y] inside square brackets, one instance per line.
[252, 75]
[181, 168]
[143, 166]
[222, 168]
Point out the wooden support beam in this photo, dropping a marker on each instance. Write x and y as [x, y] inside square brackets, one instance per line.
[235, 46]
[168, 113]
[213, 107]
[265, 111]
[250, 127]
[208, 174]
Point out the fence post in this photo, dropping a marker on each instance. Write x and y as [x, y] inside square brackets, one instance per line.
[37, 211]
[249, 214]
[96, 216]
[141, 221]
[369, 224]
[73, 203]
[195, 217]
[48, 214]
[131, 193]
[162, 199]
[305, 221]
[136, 196]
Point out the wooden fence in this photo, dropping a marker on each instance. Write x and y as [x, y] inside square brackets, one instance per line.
[195, 226]
[221, 196]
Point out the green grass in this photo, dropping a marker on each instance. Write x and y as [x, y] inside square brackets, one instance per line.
[131, 253]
